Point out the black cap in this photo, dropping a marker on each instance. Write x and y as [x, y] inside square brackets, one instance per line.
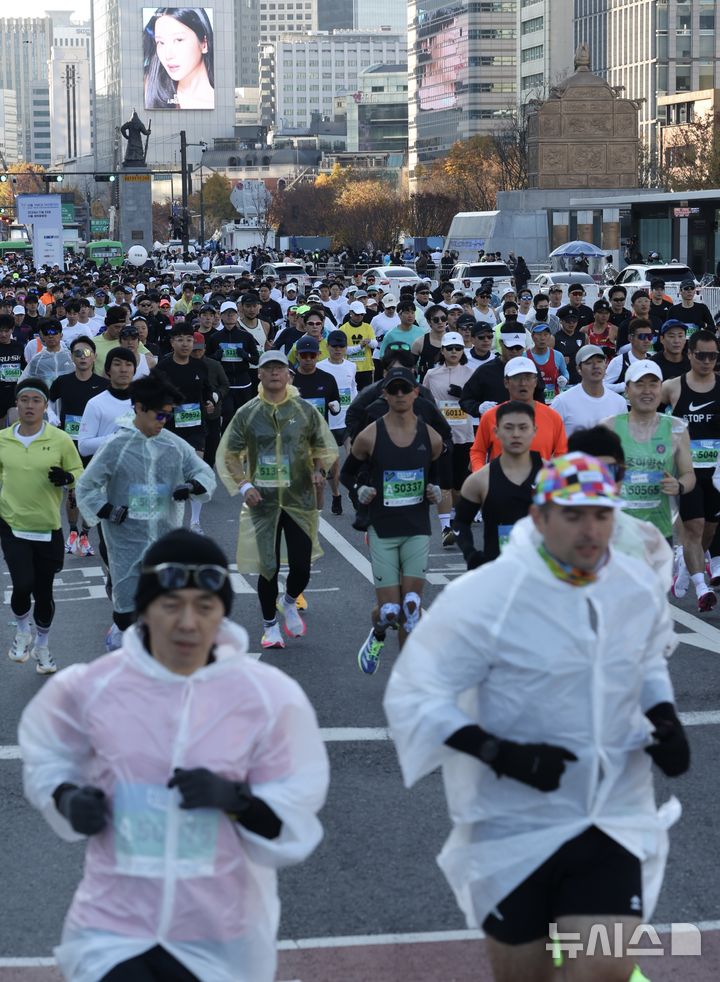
[568, 313]
[576, 286]
[307, 343]
[465, 320]
[687, 282]
[208, 308]
[601, 305]
[400, 375]
[337, 339]
[184, 548]
[482, 327]
[248, 298]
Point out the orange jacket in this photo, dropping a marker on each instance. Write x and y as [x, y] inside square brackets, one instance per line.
[550, 439]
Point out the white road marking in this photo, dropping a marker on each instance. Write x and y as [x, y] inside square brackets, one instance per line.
[346, 550]
[338, 734]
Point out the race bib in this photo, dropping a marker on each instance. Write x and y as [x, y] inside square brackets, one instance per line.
[188, 414]
[10, 373]
[403, 488]
[141, 813]
[148, 501]
[504, 535]
[704, 452]
[550, 392]
[232, 352]
[357, 355]
[32, 536]
[318, 403]
[452, 412]
[72, 426]
[641, 490]
[271, 472]
[345, 399]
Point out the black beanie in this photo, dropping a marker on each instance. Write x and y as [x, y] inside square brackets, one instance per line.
[186, 548]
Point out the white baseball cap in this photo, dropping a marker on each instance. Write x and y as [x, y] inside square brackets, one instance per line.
[512, 340]
[639, 369]
[18, 310]
[520, 366]
[452, 337]
[228, 305]
[356, 307]
[389, 300]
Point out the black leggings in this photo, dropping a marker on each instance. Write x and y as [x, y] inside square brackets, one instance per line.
[156, 965]
[32, 567]
[299, 550]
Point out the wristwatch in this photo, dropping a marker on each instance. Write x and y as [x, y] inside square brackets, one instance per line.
[489, 750]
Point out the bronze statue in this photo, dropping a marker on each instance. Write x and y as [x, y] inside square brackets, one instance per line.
[133, 131]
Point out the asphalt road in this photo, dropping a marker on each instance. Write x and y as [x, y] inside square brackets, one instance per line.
[375, 873]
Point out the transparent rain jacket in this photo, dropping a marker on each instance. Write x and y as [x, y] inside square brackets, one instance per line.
[193, 881]
[273, 445]
[536, 660]
[140, 472]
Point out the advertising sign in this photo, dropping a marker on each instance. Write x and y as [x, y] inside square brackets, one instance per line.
[178, 58]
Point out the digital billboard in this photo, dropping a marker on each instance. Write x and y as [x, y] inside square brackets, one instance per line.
[441, 50]
[178, 58]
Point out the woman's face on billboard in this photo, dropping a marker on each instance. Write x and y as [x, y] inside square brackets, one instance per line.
[178, 48]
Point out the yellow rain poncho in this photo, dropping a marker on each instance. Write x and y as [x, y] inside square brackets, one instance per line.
[274, 446]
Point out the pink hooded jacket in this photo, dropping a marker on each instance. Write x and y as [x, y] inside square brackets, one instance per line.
[193, 881]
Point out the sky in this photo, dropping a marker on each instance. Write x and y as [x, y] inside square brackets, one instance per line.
[36, 8]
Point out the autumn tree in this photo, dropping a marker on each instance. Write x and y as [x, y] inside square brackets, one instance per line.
[690, 155]
[369, 214]
[24, 179]
[216, 202]
[430, 213]
[305, 209]
[161, 224]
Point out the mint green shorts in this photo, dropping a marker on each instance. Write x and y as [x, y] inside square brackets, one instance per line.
[392, 559]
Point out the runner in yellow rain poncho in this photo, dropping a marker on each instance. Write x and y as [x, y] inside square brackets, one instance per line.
[275, 452]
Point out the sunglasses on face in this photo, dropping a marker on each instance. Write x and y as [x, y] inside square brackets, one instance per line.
[175, 576]
[644, 337]
[576, 293]
[161, 416]
[398, 390]
[453, 347]
[438, 320]
[81, 353]
[705, 355]
[51, 332]
[308, 354]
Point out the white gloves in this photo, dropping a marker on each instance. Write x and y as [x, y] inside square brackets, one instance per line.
[561, 382]
[334, 407]
[366, 494]
[484, 406]
[434, 494]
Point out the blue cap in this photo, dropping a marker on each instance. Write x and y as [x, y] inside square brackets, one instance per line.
[539, 326]
[674, 322]
[306, 343]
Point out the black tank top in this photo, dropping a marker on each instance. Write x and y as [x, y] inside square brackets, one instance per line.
[428, 357]
[400, 476]
[701, 411]
[505, 504]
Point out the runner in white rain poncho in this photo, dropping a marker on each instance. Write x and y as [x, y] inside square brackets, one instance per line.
[148, 471]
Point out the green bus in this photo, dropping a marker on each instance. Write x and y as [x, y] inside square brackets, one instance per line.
[105, 250]
[15, 245]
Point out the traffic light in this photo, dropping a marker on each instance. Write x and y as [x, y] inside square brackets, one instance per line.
[52, 178]
[105, 178]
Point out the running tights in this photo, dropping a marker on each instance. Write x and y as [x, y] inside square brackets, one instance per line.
[299, 551]
[32, 567]
[155, 965]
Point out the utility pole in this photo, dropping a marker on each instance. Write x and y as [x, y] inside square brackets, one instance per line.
[184, 177]
[202, 210]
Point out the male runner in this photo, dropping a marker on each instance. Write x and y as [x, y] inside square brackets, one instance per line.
[547, 749]
[103, 413]
[502, 489]
[691, 311]
[12, 361]
[586, 404]
[37, 461]
[640, 336]
[398, 485]
[672, 357]
[53, 359]
[695, 398]
[550, 363]
[343, 371]
[237, 349]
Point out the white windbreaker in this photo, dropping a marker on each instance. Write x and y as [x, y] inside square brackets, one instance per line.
[193, 881]
[533, 659]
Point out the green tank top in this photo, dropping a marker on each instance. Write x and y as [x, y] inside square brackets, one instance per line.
[646, 463]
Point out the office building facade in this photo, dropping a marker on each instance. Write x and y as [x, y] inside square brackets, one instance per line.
[377, 112]
[40, 127]
[70, 81]
[10, 130]
[25, 45]
[462, 73]
[544, 47]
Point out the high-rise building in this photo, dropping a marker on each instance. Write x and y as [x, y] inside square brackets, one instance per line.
[25, 45]
[70, 79]
[335, 15]
[652, 48]
[40, 129]
[377, 111]
[545, 47]
[462, 66]
[247, 38]
[259, 23]
[371, 14]
[10, 131]
[129, 75]
[311, 69]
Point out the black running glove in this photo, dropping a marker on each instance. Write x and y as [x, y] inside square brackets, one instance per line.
[59, 477]
[85, 808]
[183, 491]
[671, 750]
[455, 390]
[540, 765]
[200, 788]
[113, 513]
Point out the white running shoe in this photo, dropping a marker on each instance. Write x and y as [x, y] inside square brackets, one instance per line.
[706, 600]
[272, 638]
[294, 625]
[20, 648]
[196, 528]
[714, 570]
[45, 661]
[681, 580]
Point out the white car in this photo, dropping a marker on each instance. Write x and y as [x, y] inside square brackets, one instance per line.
[468, 276]
[392, 278]
[543, 282]
[639, 275]
[220, 272]
[286, 271]
[181, 270]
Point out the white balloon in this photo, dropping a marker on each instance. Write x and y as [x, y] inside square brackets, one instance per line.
[137, 255]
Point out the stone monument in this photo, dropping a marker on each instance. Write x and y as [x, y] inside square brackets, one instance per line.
[135, 188]
[584, 135]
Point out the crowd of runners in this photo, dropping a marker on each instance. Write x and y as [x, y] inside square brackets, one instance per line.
[569, 454]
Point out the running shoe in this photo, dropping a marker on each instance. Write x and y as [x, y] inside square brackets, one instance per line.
[71, 546]
[294, 625]
[706, 600]
[714, 571]
[681, 581]
[196, 528]
[369, 655]
[45, 661]
[84, 546]
[21, 645]
[113, 639]
[336, 507]
[272, 638]
[448, 537]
